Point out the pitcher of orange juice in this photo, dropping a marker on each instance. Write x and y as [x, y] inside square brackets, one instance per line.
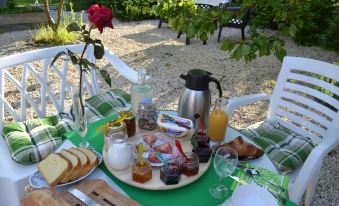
[217, 122]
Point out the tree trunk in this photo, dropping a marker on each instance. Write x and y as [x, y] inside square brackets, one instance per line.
[51, 22]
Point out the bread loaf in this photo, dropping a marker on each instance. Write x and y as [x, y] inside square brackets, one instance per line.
[84, 162]
[54, 168]
[93, 159]
[75, 165]
[43, 197]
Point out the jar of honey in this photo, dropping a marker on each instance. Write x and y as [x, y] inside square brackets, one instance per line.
[190, 166]
[141, 171]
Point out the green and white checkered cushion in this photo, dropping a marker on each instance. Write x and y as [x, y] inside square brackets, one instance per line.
[33, 140]
[107, 104]
[286, 149]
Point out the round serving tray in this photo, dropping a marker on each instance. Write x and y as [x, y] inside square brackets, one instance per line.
[155, 183]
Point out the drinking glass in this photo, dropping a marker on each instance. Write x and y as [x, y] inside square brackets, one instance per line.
[225, 161]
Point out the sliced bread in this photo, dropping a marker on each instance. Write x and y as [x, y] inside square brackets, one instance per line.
[75, 164]
[54, 168]
[84, 162]
[93, 159]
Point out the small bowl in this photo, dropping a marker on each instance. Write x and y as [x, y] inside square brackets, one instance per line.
[170, 128]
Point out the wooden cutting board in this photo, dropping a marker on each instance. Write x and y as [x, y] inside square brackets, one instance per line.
[100, 192]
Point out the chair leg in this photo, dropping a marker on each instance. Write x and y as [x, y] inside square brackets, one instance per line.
[179, 34]
[159, 25]
[219, 35]
[243, 34]
[310, 189]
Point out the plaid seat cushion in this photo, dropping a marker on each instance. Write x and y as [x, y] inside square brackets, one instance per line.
[286, 149]
[33, 140]
[107, 104]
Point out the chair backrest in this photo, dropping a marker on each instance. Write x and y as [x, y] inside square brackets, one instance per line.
[306, 98]
[28, 84]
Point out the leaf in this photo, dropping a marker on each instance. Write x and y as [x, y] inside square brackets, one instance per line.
[99, 51]
[280, 54]
[74, 59]
[227, 45]
[245, 49]
[237, 54]
[57, 56]
[105, 75]
[293, 30]
[73, 27]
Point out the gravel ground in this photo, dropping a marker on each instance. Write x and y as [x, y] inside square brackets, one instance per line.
[141, 44]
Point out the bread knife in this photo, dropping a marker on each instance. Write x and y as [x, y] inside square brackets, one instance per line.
[82, 197]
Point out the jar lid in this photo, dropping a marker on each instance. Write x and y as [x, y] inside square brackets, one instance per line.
[126, 115]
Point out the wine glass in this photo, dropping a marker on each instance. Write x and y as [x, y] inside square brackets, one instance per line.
[225, 162]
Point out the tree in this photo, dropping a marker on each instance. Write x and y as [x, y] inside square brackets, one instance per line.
[51, 22]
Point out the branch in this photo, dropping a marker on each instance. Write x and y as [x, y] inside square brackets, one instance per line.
[50, 20]
[60, 8]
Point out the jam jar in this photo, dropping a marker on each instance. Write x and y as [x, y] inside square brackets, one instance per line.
[129, 119]
[170, 173]
[141, 171]
[201, 146]
[191, 166]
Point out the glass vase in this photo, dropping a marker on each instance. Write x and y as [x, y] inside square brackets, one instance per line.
[79, 115]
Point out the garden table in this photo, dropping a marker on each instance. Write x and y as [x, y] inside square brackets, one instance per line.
[195, 193]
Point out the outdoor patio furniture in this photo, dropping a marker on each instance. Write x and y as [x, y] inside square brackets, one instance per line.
[305, 101]
[234, 22]
[13, 176]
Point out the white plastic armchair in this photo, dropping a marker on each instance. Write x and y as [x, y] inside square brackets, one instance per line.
[16, 75]
[305, 100]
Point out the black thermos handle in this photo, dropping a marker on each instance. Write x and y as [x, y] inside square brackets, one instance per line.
[212, 79]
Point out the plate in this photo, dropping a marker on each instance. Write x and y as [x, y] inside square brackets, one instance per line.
[155, 183]
[252, 194]
[36, 180]
[151, 148]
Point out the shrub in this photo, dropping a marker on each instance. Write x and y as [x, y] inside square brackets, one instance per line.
[130, 9]
[310, 17]
[45, 34]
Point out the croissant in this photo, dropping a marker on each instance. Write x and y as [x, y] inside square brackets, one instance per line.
[243, 148]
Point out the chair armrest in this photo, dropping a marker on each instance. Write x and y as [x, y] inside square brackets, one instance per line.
[122, 67]
[244, 100]
[310, 169]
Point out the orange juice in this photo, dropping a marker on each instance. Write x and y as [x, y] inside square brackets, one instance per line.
[217, 123]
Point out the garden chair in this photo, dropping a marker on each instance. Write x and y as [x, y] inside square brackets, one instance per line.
[235, 22]
[14, 176]
[305, 102]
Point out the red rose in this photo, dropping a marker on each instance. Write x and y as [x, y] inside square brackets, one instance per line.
[100, 17]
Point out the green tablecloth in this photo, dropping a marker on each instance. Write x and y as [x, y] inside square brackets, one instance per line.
[196, 193]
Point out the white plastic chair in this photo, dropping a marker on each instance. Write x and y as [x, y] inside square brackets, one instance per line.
[295, 80]
[13, 176]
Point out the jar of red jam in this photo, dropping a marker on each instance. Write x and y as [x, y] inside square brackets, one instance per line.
[129, 119]
[201, 146]
[190, 166]
[170, 173]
